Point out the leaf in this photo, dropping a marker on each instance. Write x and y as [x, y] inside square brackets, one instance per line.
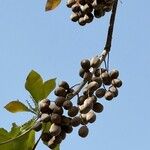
[18, 139]
[49, 86]
[16, 106]
[57, 147]
[52, 4]
[34, 83]
[37, 88]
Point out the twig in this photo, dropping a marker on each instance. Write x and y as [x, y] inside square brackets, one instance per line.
[35, 145]
[111, 27]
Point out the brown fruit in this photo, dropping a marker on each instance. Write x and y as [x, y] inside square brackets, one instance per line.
[81, 21]
[51, 144]
[55, 129]
[81, 99]
[106, 78]
[70, 3]
[87, 76]
[85, 64]
[59, 91]
[99, 13]
[58, 110]
[114, 90]
[67, 129]
[91, 117]
[114, 74]
[75, 7]
[62, 134]
[37, 126]
[45, 117]
[57, 139]
[67, 104]
[65, 120]
[109, 95]
[44, 106]
[98, 80]
[100, 92]
[88, 17]
[81, 72]
[59, 101]
[83, 131]
[87, 8]
[84, 109]
[64, 85]
[46, 136]
[76, 121]
[73, 111]
[95, 62]
[97, 72]
[82, 2]
[55, 118]
[117, 83]
[98, 107]
[74, 17]
[92, 86]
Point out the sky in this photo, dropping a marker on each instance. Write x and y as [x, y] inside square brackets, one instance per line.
[51, 44]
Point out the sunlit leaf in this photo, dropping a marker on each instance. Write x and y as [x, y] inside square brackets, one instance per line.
[37, 88]
[34, 83]
[17, 139]
[52, 4]
[49, 86]
[16, 106]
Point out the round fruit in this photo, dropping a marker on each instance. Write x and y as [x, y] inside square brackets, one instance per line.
[45, 117]
[83, 131]
[76, 121]
[73, 111]
[59, 91]
[114, 74]
[65, 120]
[87, 76]
[109, 95]
[114, 90]
[70, 3]
[37, 126]
[85, 64]
[95, 62]
[98, 107]
[67, 104]
[90, 117]
[81, 21]
[98, 80]
[100, 92]
[67, 129]
[81, 99]
[59, 101]
[64, 85]
[117, 83]
[55, 129]
[44, 106]
[55, 118]
[46, 136]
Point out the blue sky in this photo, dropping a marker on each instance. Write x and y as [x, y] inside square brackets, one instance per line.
[53, 45]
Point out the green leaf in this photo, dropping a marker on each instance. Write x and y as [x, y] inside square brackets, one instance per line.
[49, 86]
[57, 147]
[52, 4]
[16, 106]
[37, 88]
[34, 83]
[18, 139]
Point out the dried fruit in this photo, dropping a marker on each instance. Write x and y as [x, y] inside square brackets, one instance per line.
[83, 131]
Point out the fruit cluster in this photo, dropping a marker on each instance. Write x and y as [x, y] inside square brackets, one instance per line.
[85, 10]
[98, 79]
[64, 115]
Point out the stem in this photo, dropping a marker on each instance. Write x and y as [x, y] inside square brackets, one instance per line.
[111, 27]
[35, 145]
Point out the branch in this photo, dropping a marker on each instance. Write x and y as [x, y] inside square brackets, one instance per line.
[111, 27]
